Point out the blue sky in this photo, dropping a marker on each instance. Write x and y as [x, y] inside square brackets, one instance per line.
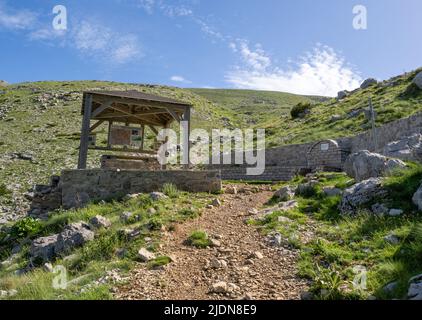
[300, 46]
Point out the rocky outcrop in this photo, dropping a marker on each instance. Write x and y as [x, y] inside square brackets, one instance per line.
[368, 82]
[43, 248]
[415, 288]
[99, 222]
[407, 148]
[285, 193]
[46, 198]
[364, 165]
[360, 194]
[417, 198]
[73, 236]
[342, 94]
[418, 80]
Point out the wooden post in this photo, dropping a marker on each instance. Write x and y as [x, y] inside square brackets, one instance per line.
[83, 147]
[142, 137]
[110, 123]
[186, 117]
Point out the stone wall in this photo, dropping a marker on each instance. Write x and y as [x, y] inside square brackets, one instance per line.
[304, 156]
[326, 155]
[387, 133]
[114, 162]
[82, 186]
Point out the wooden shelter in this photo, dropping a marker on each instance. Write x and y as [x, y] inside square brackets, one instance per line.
[129, 108]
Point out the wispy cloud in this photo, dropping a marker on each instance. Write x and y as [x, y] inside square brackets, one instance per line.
[16, 20]
[88, 37]
[170, 10]
[321, 71]
[179, 79]
[94, 39]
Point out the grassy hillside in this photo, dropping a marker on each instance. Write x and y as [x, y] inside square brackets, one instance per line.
[40, 122]
[40, 129]
[254, 107]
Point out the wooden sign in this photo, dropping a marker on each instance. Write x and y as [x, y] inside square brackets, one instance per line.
[125, 136]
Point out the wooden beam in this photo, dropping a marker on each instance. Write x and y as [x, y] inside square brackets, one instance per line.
[83, 147]
[127, 150]
[153, 129]
[173, 114]
[143, 103]
[146, 121]
[101, 108]
[96, 125]
[117, 115]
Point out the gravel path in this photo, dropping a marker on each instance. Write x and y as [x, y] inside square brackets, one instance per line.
[242, 267]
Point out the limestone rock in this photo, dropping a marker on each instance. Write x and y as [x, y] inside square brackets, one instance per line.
[417, 198]
[335, 118]
[257, 255]
[415, 288]
[407, 148]
[364, 165]
[342, 94]
[43, 248]
[216, 203]
[332, 191]
[285, 193]
[126, 216]
[368, 82]
[99, 222]
[379, 209]
[231, 190]
[155, 196]
[361, 193]
[392, 239]
[307, 188]
[73, 236]
[395, 212]
[219, 287]
[144, 255]
[418, 80]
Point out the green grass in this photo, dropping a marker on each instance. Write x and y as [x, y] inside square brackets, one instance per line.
[199, 239]
[342, 243]
[92, 261]
[159, 262]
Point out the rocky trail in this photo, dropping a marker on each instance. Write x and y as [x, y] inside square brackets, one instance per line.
[240, 265]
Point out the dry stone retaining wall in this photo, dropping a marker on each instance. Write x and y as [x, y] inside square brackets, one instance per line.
[81, 186]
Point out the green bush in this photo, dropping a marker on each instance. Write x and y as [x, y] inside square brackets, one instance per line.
[26, 227]
[299, 109]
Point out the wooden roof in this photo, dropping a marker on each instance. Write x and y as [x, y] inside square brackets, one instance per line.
[135, 107]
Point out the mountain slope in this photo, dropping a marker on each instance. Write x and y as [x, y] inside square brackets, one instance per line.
[392, 99]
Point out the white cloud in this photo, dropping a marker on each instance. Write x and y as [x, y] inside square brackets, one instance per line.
[147, 5]
[99, 41]
[179, 79]
[16, 20]
[320, 72]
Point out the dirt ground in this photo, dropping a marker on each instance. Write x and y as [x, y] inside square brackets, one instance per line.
[241, 266]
